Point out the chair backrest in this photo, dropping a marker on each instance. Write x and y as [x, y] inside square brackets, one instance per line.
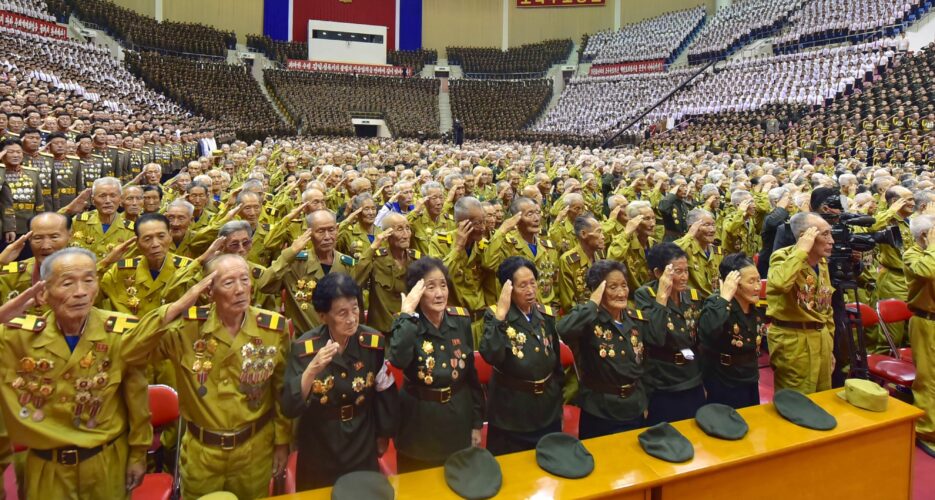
[483, 368]
[893, 311]
[868, 316]
[163, 405]
[568, 357]
[763, 289]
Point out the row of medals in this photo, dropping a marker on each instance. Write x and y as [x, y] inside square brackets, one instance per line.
[22, 187]
[358, 384]
[303, 293]
[36, 388]
[607, 350]
[457, 362]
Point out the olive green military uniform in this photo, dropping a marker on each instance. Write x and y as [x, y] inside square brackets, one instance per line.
[386, 280]
[524, 395]
[352, 239]
[563, 235]
[129, 286]
[227, 385]
[16, 277]
[88, 232]
[468, 275]
[740, 233]
[630, 251]
[891, 284]
[423, 229]
[730, 347]
[573, 269]
[94, 398]
[801, 335]
[299, 273]
[440, 403]
[24, 189]
[610, 358]
[920, 276]
[702, 264]
[612, 228]
[545, 258]
[345, 411]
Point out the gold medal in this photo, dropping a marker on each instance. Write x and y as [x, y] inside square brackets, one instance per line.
[27, 365]
[611, 353]
[357, 384]
[304, 306]
[323, 400]
[603, 352]
[428, 347]
[428, 379]
[736, 329]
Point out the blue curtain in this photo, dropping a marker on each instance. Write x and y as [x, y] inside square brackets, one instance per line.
[276, 19]
[410, 24]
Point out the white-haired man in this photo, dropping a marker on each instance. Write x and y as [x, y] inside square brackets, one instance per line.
[102, 229]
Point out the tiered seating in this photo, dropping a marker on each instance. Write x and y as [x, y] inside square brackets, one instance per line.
[415, 59]
[661, 37]
[220, 91]
[277, 50]
[533, 58]
[37, 9]
[495, 109]
[147, 33]
[323, 103]
[734, 26]
[82, 74]
[591, 106]
[828, 21]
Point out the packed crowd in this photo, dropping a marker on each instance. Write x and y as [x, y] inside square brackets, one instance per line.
[530, 58]
[834, 22]
[222, 92]
[494, 110]
[738, 24]
[660, 37]
[145, 32]
[278, 50]
[324, 103]
[37, 9]
[415, 59]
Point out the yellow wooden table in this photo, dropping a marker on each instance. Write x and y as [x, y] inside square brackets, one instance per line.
[867, 456]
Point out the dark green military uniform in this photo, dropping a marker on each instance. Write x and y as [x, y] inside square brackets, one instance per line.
[25, 191]
[524, 395]
[674, 212]
[440, 404]
[93, 168]
[730, 345]
[610, 358]
[674, 380]
[344, 413]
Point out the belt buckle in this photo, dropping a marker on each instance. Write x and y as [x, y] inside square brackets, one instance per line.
[71, 462]
[625, 390]
[538, 388]
[726, 359]
[228, 445]
[445, 395]
[679, 358]
[347, 415]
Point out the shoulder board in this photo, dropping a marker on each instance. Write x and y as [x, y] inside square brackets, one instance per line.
[547, 310]
[28, 322]
[31, 169]
[13, 267]
[98, 156]
[128, 224]
[546, 243]
[636, 314]
[694, 294]
[493, 308]
[444, 237]
[109, 146]
[372, 340]
[271, 321]
[196, 312]
[119, 323]
[182, 261]
[72, 157]
[574, 257]
[347, 260]
[652, 292]
[303, 255]
[129, 263]
[482, 244]
[84, 217]
[256, 272]
[415, 254]
[306, 347]
[458, 311]
[50, 155]
[717, 249]
[272, 211]
[382, 252]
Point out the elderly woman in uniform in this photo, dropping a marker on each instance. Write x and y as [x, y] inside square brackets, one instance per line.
[358, 230]
[441, 405]
[337, 386]
[525, 393]
[608, 344]
[673, 371]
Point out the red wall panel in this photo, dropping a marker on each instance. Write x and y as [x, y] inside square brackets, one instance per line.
[374, 12]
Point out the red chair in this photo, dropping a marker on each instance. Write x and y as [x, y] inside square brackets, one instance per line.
[568, 357]
[571, 414]
[894, 311]
[889, 371]
[483, 368]
[164, 409]
[763, 289]
[289, 481]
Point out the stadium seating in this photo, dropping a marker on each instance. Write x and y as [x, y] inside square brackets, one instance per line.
[277, 50]
[493, 109]
[660, 37]
[219, 91]
[145, 32]
[415, 59]
[323, 103]
[531, 59]
[38, 9]
[740, 23]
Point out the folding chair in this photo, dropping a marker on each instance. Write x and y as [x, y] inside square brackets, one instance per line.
[894, 311]
[164, 407]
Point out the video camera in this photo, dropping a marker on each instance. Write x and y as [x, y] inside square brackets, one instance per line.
[842, 266]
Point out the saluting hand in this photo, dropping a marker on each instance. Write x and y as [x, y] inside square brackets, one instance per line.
[411, 300]
[323, 358]
[807, 239]
[632, 225]
[665, 285]
[510, 224]
[18, 305]
[899, 204]
[694, 228]
[930, 239]
[118, 252]
[297, 210]
[233, 212]
[12, 251]
[217, 246]
[506, 296]
[188, 299]
[380, 238]
[302, 241]
[465, 228]
[729, 285]
[597, 296]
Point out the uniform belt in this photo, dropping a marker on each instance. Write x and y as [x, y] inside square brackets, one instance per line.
[66, 191]
[922, 314]
[667, 355]
[436, 395]
[623, 391]
[536, 387]
[229, 440]
[726, 359]
[23, 206]
[343, 413]
[798, 325]
[71, 456]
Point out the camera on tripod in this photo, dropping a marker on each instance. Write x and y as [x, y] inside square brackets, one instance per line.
[842, 266]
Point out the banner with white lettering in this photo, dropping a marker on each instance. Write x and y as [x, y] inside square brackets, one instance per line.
[359, 69]
[627, 68]
[32, 25]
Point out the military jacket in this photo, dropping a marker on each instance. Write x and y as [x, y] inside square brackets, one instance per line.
[920, 278]
[24, 190]
[546, 260]
[129, 287]
[466, 269]
[573, 269]
[672, 330]
[703, 264]
[385, 280]
[352, 239]
[88, 232]
[630, 251]
[795, 291]
[727, 334]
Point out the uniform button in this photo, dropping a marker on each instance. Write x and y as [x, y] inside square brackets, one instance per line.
[224, 381]
[343, 374]
[444, 365]
[63, 399]
[67, 376]
[343, 396]
[442, 347]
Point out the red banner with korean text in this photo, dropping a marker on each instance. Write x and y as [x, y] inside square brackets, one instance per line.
[560, 3]
[32, 25]
[359, 69]
[628, 68]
